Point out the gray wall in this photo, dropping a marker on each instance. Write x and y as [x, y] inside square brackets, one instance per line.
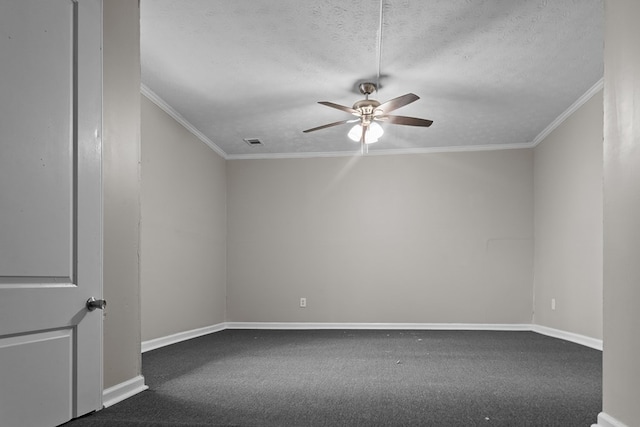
[183, 232]
[568, 224]
[409, 238]
[121, 151]
[621, 370]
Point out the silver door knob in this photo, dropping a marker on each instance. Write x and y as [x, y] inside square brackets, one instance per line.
[93, 303]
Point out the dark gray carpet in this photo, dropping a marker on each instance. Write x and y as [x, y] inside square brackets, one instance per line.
[364, 378]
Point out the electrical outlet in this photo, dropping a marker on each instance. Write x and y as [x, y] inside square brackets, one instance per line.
[303, 302]
[553, 303]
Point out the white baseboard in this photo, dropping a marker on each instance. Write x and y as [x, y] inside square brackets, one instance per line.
[568, 336]
[544, 330]
[180, 336]
[122, 391]
[605, 420]
[384, 326]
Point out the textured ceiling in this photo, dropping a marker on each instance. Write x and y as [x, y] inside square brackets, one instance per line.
[493, 72]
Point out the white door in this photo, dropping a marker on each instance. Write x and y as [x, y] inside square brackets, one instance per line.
[50, 210]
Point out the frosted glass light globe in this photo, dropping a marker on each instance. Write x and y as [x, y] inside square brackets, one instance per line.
[372, 135]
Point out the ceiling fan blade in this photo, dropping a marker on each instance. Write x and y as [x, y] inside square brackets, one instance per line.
[340, 107]
[395, 103]
[341, 122]
[403, 120]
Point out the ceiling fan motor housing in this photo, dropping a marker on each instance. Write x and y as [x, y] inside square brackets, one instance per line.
[367, 88]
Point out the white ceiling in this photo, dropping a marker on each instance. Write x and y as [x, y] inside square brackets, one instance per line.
[494, 73]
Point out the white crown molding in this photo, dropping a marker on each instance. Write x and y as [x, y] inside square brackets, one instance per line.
[388, 152]
[122, 391]
[605, 420]
[568, 336]
[264, 156]
[180, 336]
[153, 97]
[568, 112]
[452, 149]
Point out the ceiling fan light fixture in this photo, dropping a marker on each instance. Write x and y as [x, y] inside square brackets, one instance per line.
[374, 132]
[367, 110]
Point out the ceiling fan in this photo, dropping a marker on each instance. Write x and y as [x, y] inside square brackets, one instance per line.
[370, 111]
